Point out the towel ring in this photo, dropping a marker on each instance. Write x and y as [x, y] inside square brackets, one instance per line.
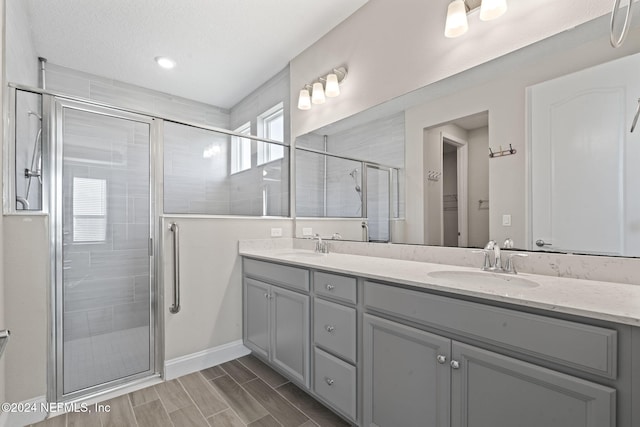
[617, 42]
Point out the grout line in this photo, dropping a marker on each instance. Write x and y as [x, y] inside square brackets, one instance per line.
[191, 399]
[248, 394]
[134, 412]
[165, 408]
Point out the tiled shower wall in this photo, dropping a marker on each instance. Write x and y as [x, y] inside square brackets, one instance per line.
[380, 141]
[106, 279]
[112, 92]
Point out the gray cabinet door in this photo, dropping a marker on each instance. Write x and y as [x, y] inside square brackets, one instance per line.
[489, 389]
[404, 384]
[256, 316]
[290, 333]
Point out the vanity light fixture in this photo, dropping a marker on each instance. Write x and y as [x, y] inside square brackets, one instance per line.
[318, 92]
[164, 62]
[304, 99]
[457, 23]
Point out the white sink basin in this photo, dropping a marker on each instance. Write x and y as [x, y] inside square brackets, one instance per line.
[483, 278]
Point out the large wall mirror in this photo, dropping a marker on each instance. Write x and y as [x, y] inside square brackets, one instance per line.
[534, 146]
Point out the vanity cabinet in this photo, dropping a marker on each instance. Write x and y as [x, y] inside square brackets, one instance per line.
[276, 319]
[335, 342]
[387, 355]
[415, 378]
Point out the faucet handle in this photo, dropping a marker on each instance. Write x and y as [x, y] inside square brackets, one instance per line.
[487, 260]
[510, 267]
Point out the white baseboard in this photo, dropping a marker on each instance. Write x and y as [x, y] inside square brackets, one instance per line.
[24, 418]
[195, 362]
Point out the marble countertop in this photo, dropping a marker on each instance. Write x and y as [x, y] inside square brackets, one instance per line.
[608, 301]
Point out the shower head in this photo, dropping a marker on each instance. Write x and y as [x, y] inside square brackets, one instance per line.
[32, 113]
[354, 173]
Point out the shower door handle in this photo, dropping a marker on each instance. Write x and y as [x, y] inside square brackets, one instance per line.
[176, 268]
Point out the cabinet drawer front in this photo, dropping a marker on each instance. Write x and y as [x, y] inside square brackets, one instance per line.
[284, 275]
[584, 347]
[333, 285]
[335, 381]
[334, 328]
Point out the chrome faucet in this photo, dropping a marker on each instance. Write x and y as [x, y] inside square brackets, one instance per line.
[321, 246]
[496, 265]
[497, 260]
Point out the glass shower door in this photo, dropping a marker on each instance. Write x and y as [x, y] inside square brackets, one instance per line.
[379, 203]
[103, 227]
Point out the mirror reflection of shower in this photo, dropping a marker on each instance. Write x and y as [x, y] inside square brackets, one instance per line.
[354, 175]
[28, 140]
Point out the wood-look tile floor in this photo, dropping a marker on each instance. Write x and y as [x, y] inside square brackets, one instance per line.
[242, 392]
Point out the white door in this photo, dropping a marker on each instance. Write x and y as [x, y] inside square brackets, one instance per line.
[584, 161]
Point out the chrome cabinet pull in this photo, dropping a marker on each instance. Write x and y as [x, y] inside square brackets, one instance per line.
[455, 364]
[330, 329]
[329, 287]
[441, 359]
[175, 308]
[329, 381]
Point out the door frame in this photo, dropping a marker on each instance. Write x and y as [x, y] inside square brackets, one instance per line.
[53, 109]
[462, 159]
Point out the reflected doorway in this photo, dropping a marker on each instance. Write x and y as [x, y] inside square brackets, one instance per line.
[456, 176]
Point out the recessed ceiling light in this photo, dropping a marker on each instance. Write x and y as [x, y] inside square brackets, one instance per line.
[165, 62]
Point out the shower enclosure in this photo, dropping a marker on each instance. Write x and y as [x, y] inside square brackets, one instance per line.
[102, 228]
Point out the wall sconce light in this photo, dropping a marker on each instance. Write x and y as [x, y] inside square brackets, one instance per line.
[457, 23]
[317, 93]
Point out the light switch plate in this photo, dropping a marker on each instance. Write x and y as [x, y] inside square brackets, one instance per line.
[307, 231]
[506, 220]
[276, 232]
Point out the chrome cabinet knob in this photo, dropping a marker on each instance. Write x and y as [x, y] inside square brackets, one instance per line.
[330, 329]
[329, 287]
[441, 359]
[455, 364]
[329, 381]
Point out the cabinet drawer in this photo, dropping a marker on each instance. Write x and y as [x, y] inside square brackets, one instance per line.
[334, 328]
[336, 286]
[296, 278]
[584, 347]
[335, 381]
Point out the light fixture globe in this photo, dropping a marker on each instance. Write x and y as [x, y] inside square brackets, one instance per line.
[332, 87]
[317, 95]
[457, 23]
[164, 62]
[304, 100]
[492, 9]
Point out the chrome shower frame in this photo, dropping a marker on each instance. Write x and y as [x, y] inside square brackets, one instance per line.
[53, 115]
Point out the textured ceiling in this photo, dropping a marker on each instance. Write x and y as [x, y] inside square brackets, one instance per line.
[224, 49]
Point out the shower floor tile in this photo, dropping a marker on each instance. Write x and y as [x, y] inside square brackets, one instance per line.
[106, 357]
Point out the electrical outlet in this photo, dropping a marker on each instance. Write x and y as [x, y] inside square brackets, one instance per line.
[506, 220]
[276, 232]
[307, 231]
